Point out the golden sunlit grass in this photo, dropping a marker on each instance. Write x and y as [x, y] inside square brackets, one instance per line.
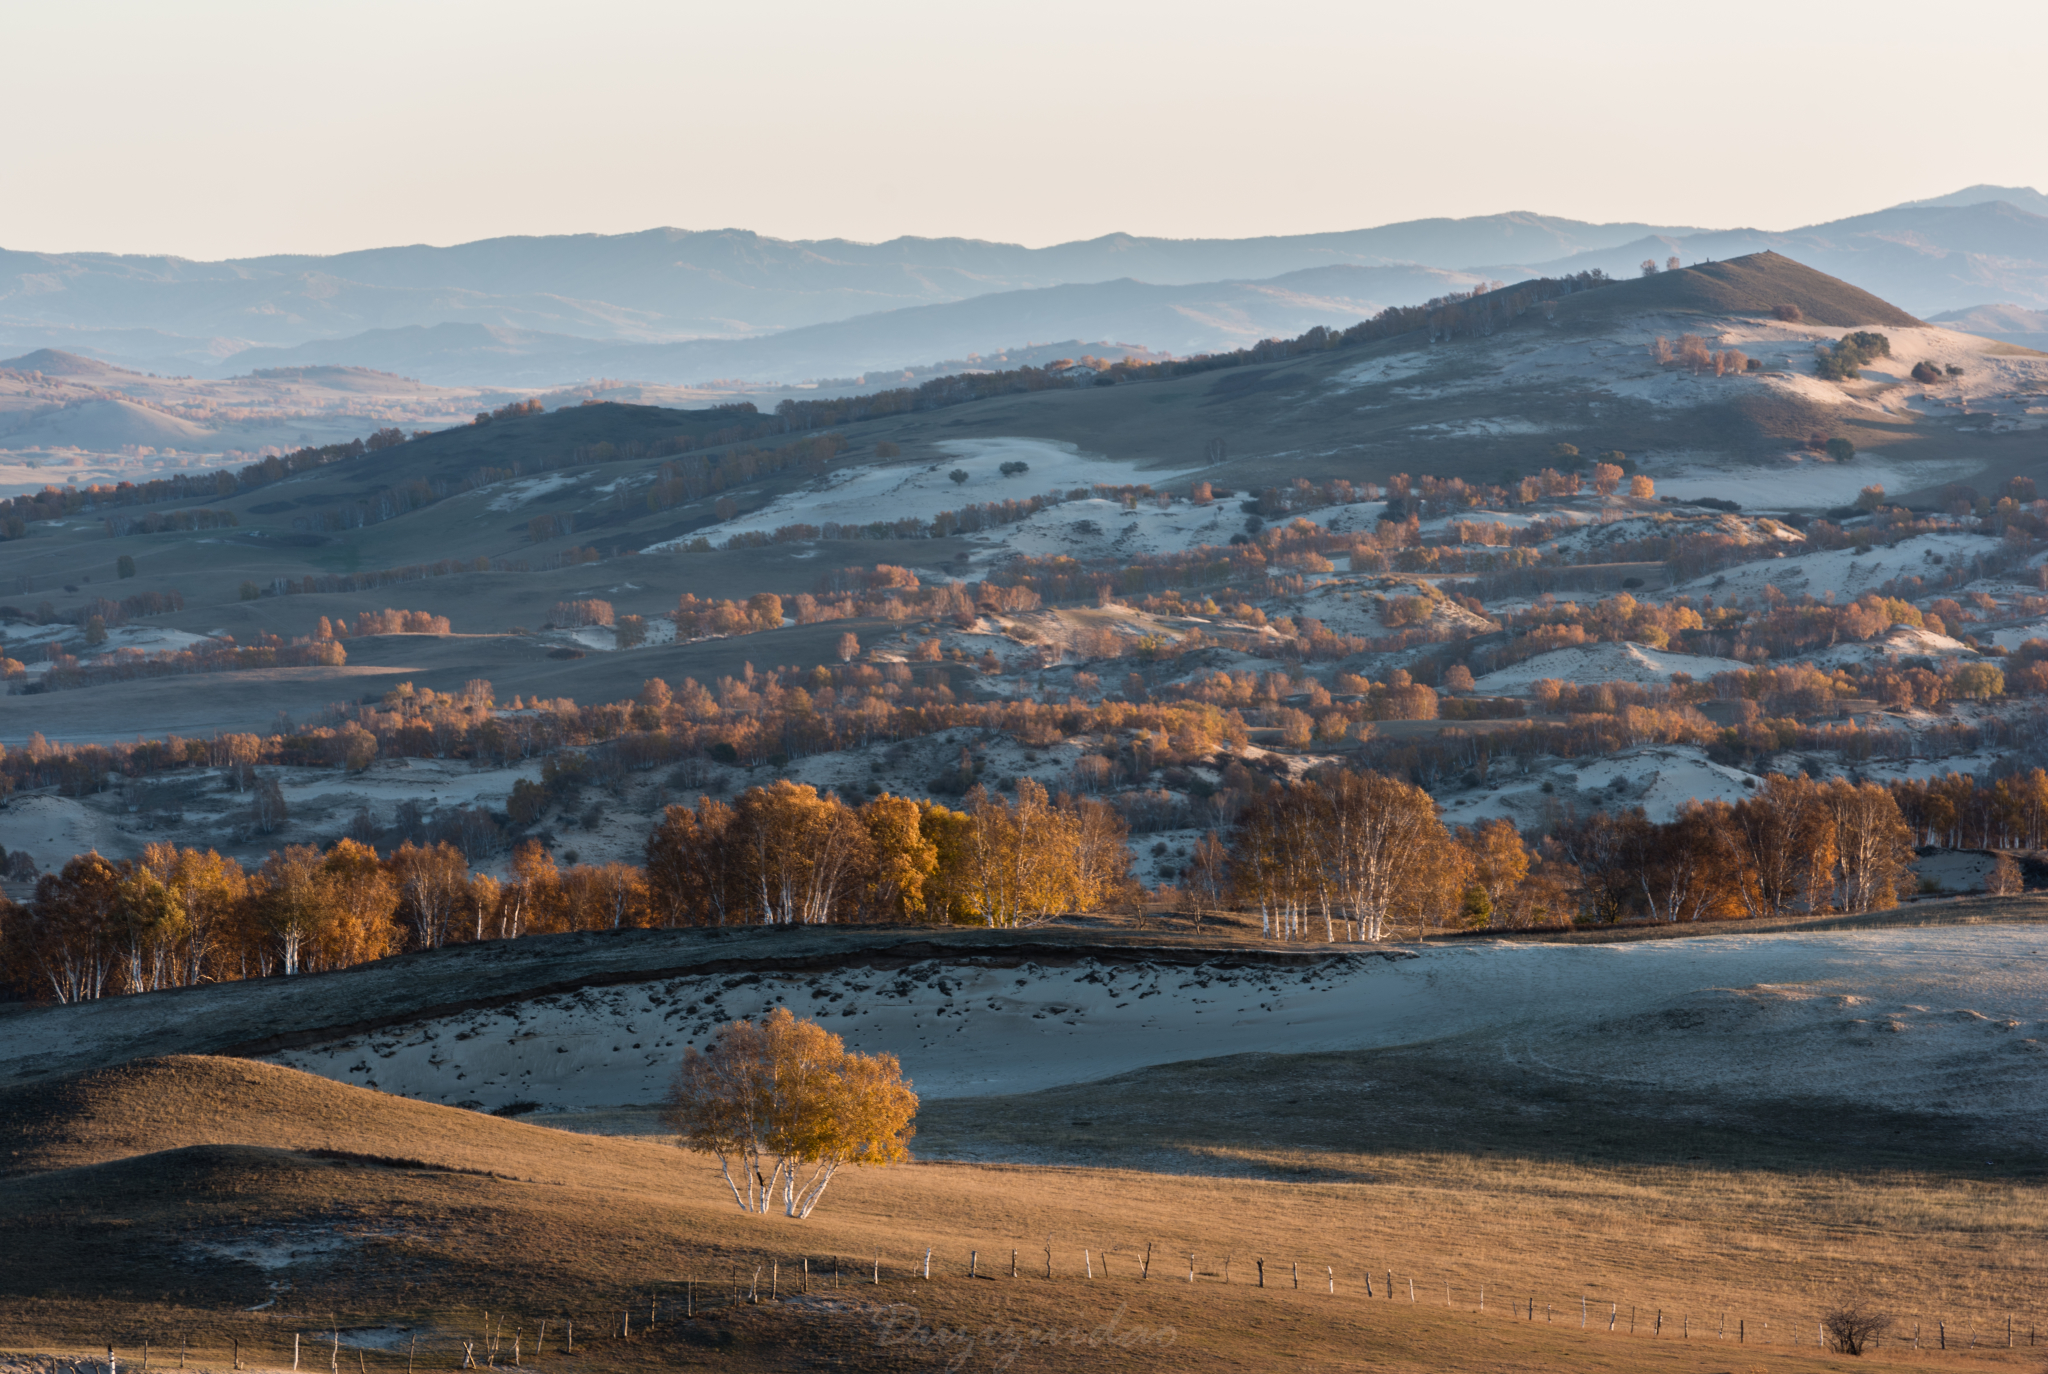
[125, 1187]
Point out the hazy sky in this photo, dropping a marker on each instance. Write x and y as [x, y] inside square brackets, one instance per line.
[212, 129]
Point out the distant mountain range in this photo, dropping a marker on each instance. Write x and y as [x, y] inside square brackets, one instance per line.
[1926, 258]
[1169, 319]
[2013, 323]
[680, 306]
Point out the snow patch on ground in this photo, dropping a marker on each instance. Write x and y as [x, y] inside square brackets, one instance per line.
[519, 493]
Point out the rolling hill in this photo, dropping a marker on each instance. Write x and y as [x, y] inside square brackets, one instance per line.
[548, 492]
[1927, 258]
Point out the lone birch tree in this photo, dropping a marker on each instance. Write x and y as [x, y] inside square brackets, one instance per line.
[783, 1105]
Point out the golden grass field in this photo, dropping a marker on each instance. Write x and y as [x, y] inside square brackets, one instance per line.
[116, 1184]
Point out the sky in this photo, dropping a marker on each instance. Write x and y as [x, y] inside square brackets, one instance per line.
[218, 128]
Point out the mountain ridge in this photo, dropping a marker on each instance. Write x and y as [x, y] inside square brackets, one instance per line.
[703, 300]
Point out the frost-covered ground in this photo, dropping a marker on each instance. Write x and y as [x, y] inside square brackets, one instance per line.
[1659, 778]
[1605, 663]
[896, 491]
[1845, 572]
[1804, 482]
[1947, 1019]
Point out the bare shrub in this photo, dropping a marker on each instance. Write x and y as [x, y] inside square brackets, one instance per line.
[2004, 879]
[1852, 1325]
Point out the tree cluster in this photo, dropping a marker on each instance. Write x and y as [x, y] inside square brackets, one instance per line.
[787, 855]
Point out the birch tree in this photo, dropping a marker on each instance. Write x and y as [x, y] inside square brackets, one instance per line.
[782, 1106]
[1872, 846]
[433, 888]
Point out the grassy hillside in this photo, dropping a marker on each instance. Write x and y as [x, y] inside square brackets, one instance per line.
[202, 1202]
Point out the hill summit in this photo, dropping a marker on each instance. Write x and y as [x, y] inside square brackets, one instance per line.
[55, 362]
[1756, 284]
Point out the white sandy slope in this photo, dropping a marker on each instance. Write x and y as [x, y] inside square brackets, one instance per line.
[1946, 1019]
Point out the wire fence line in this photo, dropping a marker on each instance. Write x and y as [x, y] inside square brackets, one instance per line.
[744, 1280]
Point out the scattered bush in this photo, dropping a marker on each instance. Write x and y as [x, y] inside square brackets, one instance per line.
[1843, 362]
